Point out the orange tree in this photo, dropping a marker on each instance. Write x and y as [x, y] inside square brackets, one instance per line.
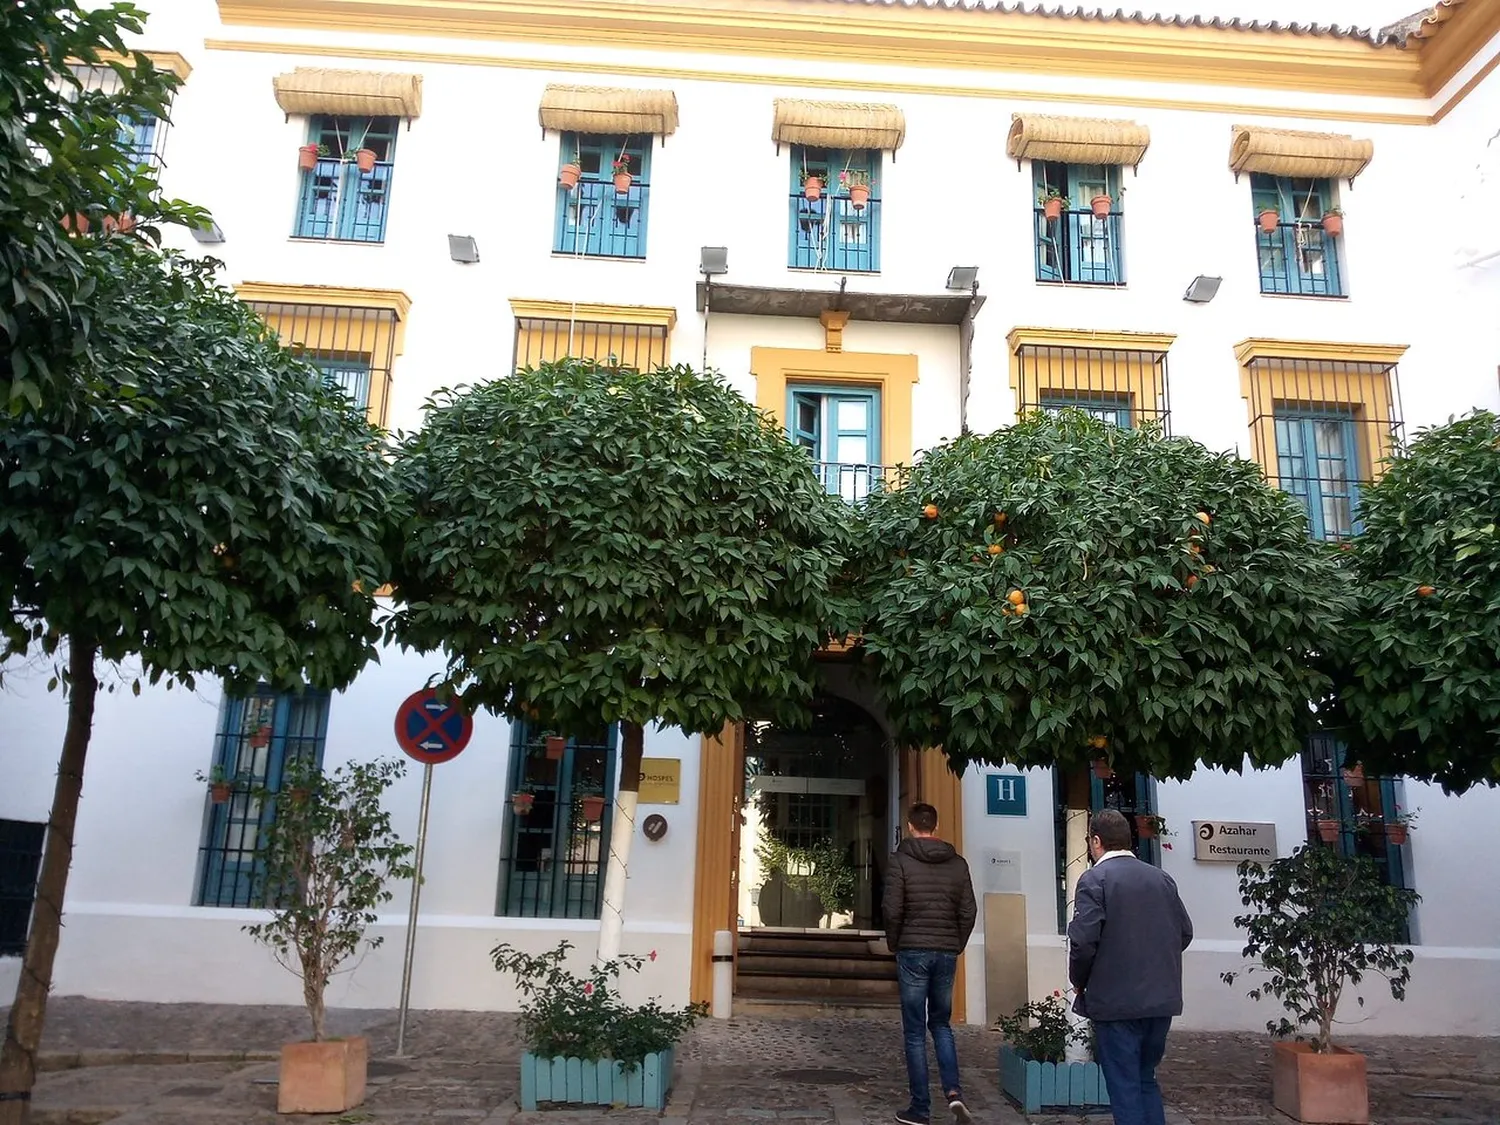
[200, 504]
[1064, 591]
[1419, 656]
[593, 545]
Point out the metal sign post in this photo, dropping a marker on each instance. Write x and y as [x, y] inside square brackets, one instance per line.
[430, 730]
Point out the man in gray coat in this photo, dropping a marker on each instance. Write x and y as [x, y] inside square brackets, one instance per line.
[1125, 948]
[929, 915]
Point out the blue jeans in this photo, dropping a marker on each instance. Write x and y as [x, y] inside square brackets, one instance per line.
[1129, 1051]
[926, 978]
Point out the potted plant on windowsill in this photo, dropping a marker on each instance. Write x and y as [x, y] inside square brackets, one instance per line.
[309, 155]
[364, 159]
[1034, 1071]
[592, 808]
[1149, 826]
[219, 784]
[857, 183]
[1320, 923]
[570, 173]
[1329, 827]
[521, 800]
[622, 174]
[812, 185]
[324, 865]
[1333, 221]
[584, 1045]
[1269, 220]
[555, 745]
[1399, 827]
[1052, 202]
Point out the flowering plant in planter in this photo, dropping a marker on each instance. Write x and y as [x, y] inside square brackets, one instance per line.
[1042, 1029]
[851, 178]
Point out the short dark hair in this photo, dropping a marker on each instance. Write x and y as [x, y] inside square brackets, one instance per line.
[923, 818]
[1112, 829]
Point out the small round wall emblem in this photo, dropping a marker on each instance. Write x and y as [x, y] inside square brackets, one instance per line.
[655, 827]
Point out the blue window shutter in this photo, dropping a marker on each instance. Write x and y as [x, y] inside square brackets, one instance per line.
[1049, 235]
[807, 423]
[1317, 461]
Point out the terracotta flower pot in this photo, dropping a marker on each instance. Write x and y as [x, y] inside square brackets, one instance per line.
[1145, 828]
[307, 157]
[364, 158]
[1319, 1089]
[1053, 208]
[327, 1077]
[118, 224]
[859, 195]
[593, 808]
[1328, 830]
[1396, 834]
[77, 222]
[1103, 769]
[261, 737]
[1101, 205]
[1333, 225]
[568, 175]
[1269, 221]
[521, 802]
[622, 183]
[219, 792]
[812, 188]
[556, 744]
[1355, 775]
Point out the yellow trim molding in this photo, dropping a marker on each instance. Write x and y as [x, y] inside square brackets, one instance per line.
[162, 60]
[894, 375]
[1462, 36]
[343, 296]
[654, 316]
[1317, 351]
[1089, 338]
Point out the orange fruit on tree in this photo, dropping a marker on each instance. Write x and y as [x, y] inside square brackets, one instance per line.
[996, 549]
[1204, 518]
[1098, 742]
[1426, 591]
[1194, 549]
[1000, 518]
[930, 511]
[1022, 610]
[1016, 597]
[1192, 580]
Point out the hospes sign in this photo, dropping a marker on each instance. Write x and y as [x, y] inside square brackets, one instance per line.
[1231, 841]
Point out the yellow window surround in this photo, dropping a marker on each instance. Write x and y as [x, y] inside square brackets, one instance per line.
[893, 375]
[638, 336]
[161, 60]
[336, 322]
[1357, 381]
[1127, 369]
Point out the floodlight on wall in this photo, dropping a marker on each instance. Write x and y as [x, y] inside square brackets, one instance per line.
[210, 235]
[1202, 290]
[963, 279]
[462, 248]
[713, 260]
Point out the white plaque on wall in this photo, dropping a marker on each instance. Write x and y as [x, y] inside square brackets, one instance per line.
[1002, 873]
[1233, 841]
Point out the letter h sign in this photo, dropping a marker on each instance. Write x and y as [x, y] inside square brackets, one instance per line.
[1005, 794]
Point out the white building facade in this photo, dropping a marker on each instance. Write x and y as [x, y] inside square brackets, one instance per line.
[1318, 349]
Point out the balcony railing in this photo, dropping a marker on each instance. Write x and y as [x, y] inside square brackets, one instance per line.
[338, 201]
[1079, 247]
[855, 482]
[594, 220]
[830, 233]
[1299, 259]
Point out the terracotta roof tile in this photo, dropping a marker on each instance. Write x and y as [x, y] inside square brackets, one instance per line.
[1420, 25]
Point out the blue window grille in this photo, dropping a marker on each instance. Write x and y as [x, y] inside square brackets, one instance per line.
[351, 374]
[833, 231]
[555, 855]
[1133, 794]
[1298, 257]
[595, 219]
[1317, 461]
[1350, 812]
[337, 200]
[1114, 409]
[1077, 246]
[20, 862]
[840, 429]
[138, 138]
[1127, 388]
[258, 735]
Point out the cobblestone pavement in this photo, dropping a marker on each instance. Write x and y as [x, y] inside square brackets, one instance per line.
[199, 1064]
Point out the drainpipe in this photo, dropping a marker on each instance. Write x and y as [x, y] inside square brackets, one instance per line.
[966, 358]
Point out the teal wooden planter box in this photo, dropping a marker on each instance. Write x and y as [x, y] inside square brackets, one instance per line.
[602, 1082]
[1038, 1086]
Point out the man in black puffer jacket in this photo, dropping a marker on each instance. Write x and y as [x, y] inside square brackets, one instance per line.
[929, 915]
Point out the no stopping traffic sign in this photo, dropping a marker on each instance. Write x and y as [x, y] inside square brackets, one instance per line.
[430, 729]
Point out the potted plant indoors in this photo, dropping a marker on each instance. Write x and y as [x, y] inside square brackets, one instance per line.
[1052, 202]
[1333, 221]
[569, 174]
[219, 784]
[584, 1045]
[1034, 1072]
[1320, 922]
[812, 185]
[857, 183]
[621, 170]
[323, 868]
[1269, 219]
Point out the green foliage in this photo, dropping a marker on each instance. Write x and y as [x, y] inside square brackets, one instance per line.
[1321, 922]
[1042, 1029]
[822, 869]
[1170, 640]
[567, 1016]
[1420, 651]
[327, 856]
[61, 154]
[213, 515]
[594, 545]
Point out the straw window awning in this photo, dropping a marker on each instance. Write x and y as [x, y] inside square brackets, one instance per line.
[1076, 140]
[1285, 152]
[349, 93]
[602, 111]
[853, 125]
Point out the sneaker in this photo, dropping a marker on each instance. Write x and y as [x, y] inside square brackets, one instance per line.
[912, 1117]
[960, 1111]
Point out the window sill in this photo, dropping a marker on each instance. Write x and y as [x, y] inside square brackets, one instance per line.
[831, 272]
[1048, 283]
[1306, 296]
[597, 257]
[337, 241]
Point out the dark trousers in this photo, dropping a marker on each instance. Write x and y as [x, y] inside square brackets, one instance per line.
[926, 978]
[1129, 1051]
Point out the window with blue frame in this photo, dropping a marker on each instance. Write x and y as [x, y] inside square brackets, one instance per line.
[1354, 814]
[1114, 409]
[138, 138]
[603, 214]
[351, 374]
[338, 199]
[834, 210]
[20, 861]
[1318, 461]
[557, 825]
[840, 429]
[258, 735]
[1133, 794]
[1298, 256]
[1076, 245]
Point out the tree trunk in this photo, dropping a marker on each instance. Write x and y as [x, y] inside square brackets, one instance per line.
[621, 833]
[23, 1032]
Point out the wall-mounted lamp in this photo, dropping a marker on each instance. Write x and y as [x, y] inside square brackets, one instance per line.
[210, 235]
[963, 279]
[462, 248]
[713, 260]
[1202, 290]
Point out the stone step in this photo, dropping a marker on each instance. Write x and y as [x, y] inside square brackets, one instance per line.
[774, 1006]
[756, 984]
[835, 942]
[815, 965]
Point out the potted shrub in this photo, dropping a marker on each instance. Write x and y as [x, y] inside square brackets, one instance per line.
[1034, 1071]
[592, 807]
[621, 170]
[324, 865]
[1398, 827]
[1333, 221]
[1052, 202]
[857, 184]
[521, 801]
[1270, 219]
[570, 173]
[219, 785]
[1320, 922]
[812, 185]
[1101, 205]
[584, 1045]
